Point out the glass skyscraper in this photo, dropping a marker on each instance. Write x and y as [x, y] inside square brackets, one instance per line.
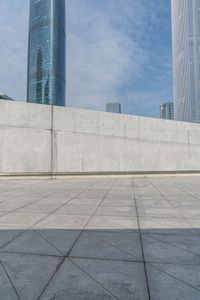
[186, 59]
[167, 111]
[46, 52]
[114, 107]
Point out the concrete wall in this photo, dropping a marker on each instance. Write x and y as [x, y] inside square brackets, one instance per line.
[45, 139]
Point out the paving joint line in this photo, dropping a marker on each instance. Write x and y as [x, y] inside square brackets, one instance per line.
[109, 292]
[118, 248]
[141, 241]
[51, 277]
[30, 254]
[186, 192]
[62, 261]
[174, 277]
[14, 288]
[83, 230]
[46, 240]
[18, 208]
[27, 229]
[171, 244]
[106, 259]
[182, 216]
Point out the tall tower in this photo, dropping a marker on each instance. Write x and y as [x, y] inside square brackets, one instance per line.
[167, 111]
[46, 52]
[186, 59]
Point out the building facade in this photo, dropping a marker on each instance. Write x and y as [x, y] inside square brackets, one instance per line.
[167, 111]
[114, 108]
[46, 52]
[186, 59]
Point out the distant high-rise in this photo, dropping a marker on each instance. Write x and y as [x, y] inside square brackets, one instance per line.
[46, 52]
[167, 111]
[186, 59]
[113, 107]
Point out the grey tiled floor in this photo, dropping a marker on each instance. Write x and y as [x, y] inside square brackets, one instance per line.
[100, 238]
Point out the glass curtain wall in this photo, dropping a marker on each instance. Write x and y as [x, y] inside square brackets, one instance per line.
[46, 52]
[186, 59]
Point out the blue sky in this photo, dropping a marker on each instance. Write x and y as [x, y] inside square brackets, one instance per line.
[117, 50]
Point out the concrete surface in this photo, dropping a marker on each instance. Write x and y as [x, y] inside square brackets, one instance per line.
[40, 139]
[100, 238]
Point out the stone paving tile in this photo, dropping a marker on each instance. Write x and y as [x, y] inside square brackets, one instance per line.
[29, 274]
[60, 221]
[3, 213]
[40, 207]
[61, 239]
[60, 199]
[190, 243]
[119, 196]
[164, 212]
[126, 280]
[121, 211]
[86, 201]
[186, 203]
[158, 249]
[195, 223]
[7, 291]
[190, 212]
[29, 197]
[116, 245]
[179, 197]
[11, 205]
[92, 195]
[69, 209]
[20, 220]
[31, 242]
[166, 226]
[155, 203]
[166, 287]
[147, 199]
[190, 274]
[70, 282]
[7, 235]
[118, 202]
[112, 223]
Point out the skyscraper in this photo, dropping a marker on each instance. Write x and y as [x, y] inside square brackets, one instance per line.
[167, 111]
[113, 107]
[46, 52]
[186, 59]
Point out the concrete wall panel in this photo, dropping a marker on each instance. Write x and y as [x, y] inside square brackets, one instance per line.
[75, 152]
[20, 114]
[41, 139]
[25, 150]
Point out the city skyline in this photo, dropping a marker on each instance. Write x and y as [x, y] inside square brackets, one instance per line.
[115, 50]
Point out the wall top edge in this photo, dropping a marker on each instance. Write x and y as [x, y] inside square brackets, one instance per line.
[95, 112]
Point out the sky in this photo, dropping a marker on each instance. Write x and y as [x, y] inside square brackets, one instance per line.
[117, 51]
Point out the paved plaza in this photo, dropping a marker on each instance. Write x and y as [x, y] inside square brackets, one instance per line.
[100, 238]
